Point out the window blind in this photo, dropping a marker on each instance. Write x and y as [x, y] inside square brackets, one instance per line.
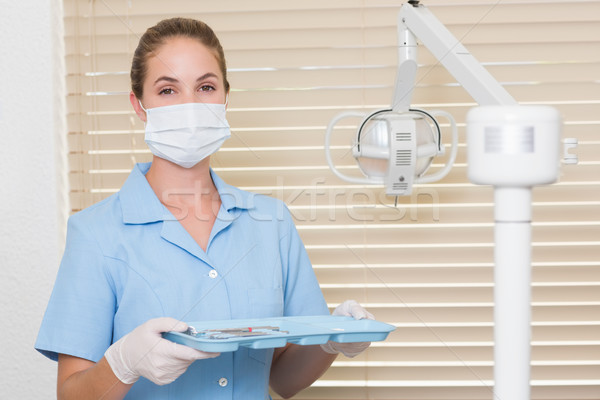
[426, 264]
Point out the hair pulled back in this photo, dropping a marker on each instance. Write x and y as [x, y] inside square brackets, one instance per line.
[157, 35]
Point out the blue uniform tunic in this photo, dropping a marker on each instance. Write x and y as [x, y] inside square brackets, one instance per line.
[127, 260]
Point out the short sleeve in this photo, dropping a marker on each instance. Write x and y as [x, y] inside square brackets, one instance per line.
[302, 294]
[79, 316]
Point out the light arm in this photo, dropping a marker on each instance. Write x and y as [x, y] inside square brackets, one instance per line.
[476, 80]
[407, 69]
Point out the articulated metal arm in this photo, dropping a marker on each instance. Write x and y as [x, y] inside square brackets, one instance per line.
[416, 21]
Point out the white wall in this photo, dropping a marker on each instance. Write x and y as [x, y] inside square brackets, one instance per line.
[31, 201]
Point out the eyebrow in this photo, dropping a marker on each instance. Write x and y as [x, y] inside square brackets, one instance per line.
[174, 80]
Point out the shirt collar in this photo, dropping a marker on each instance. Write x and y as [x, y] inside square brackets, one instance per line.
[140, 205]
[231, 197]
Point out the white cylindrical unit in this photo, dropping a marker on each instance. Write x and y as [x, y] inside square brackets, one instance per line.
[514, 146]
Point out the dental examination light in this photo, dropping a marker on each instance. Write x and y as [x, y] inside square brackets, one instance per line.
[396, 146]
[509, 146]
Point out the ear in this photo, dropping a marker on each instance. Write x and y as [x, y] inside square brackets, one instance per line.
[135, 103]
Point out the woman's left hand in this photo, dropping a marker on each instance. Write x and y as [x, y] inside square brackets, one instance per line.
[349, 308]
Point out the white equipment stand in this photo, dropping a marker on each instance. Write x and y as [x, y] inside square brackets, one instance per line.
[511, 147]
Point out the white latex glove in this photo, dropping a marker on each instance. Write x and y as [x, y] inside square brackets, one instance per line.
[144, 352]
[349, 308]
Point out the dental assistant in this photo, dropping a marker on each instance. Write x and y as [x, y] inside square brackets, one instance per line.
[175, 244]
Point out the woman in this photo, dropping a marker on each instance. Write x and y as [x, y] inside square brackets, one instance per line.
[177, 243]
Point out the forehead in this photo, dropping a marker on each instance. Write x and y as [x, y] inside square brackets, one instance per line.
[184, 57]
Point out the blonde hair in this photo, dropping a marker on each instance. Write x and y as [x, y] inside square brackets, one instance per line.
[157, 35]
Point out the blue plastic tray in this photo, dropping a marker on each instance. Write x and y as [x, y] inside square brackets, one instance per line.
[298, 330]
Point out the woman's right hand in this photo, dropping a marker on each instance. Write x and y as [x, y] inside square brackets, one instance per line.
[144, 352]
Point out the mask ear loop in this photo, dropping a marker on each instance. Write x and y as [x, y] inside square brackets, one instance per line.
[226, 99]
[146, 111]
[140, 102]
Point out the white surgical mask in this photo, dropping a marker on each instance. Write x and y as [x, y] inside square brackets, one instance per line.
[186, 134]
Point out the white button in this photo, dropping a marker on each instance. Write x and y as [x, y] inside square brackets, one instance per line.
[213, 273]
[223, 382]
